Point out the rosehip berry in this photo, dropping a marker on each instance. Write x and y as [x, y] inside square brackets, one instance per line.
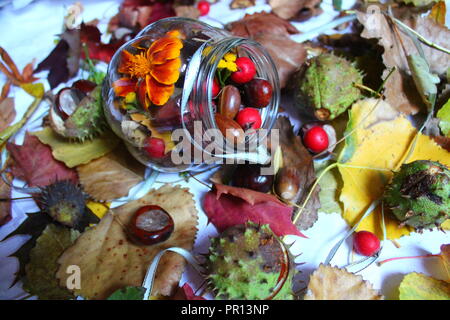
[249, 118]
[246, 70]
[203, 7]
[316, 139]
[215, 88]
[366, 243]
[155, 147]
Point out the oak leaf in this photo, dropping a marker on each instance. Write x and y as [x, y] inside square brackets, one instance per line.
[109, 260]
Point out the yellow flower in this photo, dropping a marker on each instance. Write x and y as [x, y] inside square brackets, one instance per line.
[228, 62]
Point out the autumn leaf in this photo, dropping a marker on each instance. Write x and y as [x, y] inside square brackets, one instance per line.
[400, 91]
[34, 163]
[76, 153]
[64, 60]
[445, 256]
[369, 155]
[295, 9]
[330, 184]
[187, 293]
[241, 4]
[417, 286]
[40, 271]
[98, 208]
[33, 225]
[5, 206]
[128, 293]
[438, 12]
[111, 176]
[109, 260]
[227, 206]
[444, 116]
[332, 283]
[8, 113]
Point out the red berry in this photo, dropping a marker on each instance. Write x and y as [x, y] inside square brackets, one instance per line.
[246, 70]
[366, 243]
[215, 88]
[249, 118]
[316, 139]
[203, 7]
[155, 147]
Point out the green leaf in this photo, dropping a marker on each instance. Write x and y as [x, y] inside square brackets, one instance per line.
[128, 293]
[444, 115]
[36, 90]
[40, 272]
[417, 286]
[425, 80]
[330, 186]
[33, 225]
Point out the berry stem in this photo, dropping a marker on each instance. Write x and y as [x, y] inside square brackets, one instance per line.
[411, 257]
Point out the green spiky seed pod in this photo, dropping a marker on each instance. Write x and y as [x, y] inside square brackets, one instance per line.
[325, 85]
[86, 122]
[419, 194]
[65, 203]
[246, 262]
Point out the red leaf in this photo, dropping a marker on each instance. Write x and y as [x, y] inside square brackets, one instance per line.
[34, 163]
[189, 293]
[227, 206]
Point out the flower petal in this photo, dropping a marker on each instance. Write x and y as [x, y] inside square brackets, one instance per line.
[171, 51]
[126, 61]
[167, 73]
[123, 86]
[158, 93]
[161, 44]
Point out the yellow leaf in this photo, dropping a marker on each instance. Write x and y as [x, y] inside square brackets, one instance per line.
[377, 145]
[76, 153]
[34, 89]
[417, 286]
[438, 12]
[98, 208]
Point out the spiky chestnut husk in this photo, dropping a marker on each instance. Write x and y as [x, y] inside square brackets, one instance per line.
[325, 85]
[246, 262]
[419, 194]
[64, 201]
[86, 122]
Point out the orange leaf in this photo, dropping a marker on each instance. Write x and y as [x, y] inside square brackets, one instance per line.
[438, 12]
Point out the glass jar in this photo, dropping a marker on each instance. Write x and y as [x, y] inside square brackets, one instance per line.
[158, 96]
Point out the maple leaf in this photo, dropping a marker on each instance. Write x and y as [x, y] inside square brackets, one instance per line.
[109, 260]
[331, 283]
[400, 91]
[417, 286]
[369, 156]
[76, 153]
[40, 271]
[34, 163]
[111, 176]
[296, 156]
[227, 206]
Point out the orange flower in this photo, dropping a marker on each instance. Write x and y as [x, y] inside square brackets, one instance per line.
[157, 69]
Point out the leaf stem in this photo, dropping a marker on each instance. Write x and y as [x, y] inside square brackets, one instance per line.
[411, 257]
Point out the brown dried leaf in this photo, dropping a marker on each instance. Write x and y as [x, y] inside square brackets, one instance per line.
[295, 155]
[187, 12]
[288, 9]
[400, 90]
[108, 260]
[7, 113]
[111, 176]
[262, 22]
[331, 283]
[5, 206]
[241, 4]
